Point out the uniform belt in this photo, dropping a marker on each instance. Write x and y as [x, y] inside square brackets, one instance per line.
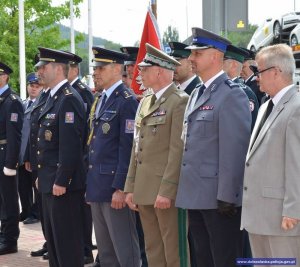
[3, 142]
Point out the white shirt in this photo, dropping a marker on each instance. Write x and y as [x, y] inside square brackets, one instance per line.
[160, 92]
[56, 87]
[184, 85]
[280, 94]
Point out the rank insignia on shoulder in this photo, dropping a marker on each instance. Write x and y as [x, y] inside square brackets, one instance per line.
[159, 113]
[14, 117]
[50, 116]
[207, 107]
[129, 128]
[13, 97]
[67, 91]
[231, 84]
[126, 94]
[69, 117]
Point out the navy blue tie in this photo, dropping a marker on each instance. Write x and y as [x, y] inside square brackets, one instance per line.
[200, 91]
[104, 97]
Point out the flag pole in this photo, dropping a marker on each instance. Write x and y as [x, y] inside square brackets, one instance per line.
[72, 27]
[22, 61]
[154, 7]
[90, 43]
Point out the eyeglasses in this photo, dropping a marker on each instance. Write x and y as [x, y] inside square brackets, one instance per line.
[258, 72]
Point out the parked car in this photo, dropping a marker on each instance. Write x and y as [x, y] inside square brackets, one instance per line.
[270, 30]
[295, 36]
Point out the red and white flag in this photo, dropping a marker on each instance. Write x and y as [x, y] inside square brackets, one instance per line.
[150, 35]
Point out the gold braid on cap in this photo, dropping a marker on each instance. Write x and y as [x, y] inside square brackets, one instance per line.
[92, 115]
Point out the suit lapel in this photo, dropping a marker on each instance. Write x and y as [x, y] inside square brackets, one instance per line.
[276, 111]
[207, 92]
[161, 100]
[109, 101]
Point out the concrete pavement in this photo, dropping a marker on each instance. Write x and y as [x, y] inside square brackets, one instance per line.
[31, 238]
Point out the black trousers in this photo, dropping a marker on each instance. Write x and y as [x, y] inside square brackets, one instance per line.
[9, 209]
[63, 226]
[28, 193]
[217, 238]
[87, 230]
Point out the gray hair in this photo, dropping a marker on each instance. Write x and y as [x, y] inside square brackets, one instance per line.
[279, 55]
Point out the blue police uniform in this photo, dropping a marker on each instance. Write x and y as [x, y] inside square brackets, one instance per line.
[110, 146]
[109, 154]
[11, 121]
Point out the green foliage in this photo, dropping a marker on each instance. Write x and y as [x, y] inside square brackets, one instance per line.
[41, 29]
[170, 35]
[241, 38]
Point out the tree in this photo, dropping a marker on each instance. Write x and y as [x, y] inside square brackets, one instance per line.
[41, 29]
[241, 38]
[170, 35]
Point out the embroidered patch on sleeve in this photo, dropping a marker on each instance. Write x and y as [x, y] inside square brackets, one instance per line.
[69, 117]
[14, 117]
[129, 126]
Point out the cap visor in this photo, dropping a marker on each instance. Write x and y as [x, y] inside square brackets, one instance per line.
[99, 64]
[194, 47]
[41, 63]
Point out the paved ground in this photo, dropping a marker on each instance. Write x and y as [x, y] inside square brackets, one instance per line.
[31, 238]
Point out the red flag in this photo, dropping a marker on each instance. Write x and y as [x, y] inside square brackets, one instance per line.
[150, 35]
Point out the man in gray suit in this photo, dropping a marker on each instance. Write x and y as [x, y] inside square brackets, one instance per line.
[26, 184]
[271, 195]
[216, 132]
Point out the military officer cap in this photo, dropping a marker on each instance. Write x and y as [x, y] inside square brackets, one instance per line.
[76, 59]
[132, 53]
[156, 57]
[236, 53]
[251, 54]
[104, 56]
[4, 69]
[178, 50]
[48, 55]
[32, 78]
[203, 39]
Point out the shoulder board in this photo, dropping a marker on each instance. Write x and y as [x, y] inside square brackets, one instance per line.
[14, 97]
[67, 91]
[125, 93]
[81, 85]
[231, 84]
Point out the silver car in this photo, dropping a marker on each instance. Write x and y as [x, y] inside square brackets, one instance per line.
[270, 30]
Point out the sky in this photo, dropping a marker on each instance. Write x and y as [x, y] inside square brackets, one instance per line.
[122, 21]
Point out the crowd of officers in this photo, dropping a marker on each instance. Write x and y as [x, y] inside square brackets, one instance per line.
[139, 170]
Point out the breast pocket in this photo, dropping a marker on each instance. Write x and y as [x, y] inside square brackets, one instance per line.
[158, 120]
[50, 130]
[205, 120]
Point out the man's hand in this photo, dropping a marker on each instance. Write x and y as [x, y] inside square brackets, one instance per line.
[162, 202]
[288, 223]
[58, 190]
[227, 209]
[118, 200]
[28, 166]
[129, 201]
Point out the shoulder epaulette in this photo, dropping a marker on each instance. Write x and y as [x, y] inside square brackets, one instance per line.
[125, 93]
[231, 84]
[14, 97]
[81, 85]
[67, 91]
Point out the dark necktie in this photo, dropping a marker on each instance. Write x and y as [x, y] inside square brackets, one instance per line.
[152, 100]
[104, 97]
[200, 91]
[29, 104]
[267, 114]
